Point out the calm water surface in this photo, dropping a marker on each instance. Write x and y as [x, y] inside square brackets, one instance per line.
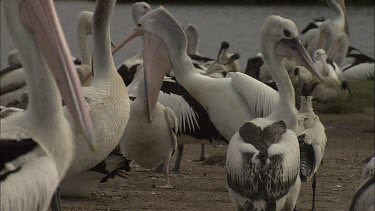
[239, 25]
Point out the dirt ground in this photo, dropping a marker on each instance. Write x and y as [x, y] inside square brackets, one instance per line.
[203, 187]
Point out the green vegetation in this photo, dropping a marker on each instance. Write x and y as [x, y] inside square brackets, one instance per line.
[363, 97]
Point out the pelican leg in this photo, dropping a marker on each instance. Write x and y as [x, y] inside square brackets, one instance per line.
[159, 169]
[314, 191]
[180, 151]
[55, 202]
[201, 158]
[166, 167]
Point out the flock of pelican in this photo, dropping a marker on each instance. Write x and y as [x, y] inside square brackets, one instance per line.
[69, 124]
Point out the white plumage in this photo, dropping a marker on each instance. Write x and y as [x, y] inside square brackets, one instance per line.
[263, 157]
[36, 145]
[107, 99]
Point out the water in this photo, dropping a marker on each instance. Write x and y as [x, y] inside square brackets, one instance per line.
[239, 25]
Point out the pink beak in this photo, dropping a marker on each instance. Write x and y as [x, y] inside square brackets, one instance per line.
[156, 65]
[41, 18]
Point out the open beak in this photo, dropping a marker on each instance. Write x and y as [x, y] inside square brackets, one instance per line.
[346, 27]
[156, 65]
[294, 48]
[41, 19]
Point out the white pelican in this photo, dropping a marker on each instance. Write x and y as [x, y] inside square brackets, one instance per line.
[229, 102]
[150, 137]
[263, 157]
[339, 22]
[108, 100]
[312, 139]
[323, 39]
[194, 124]
[13, 80]
[135, 63]
[84, 29]
[36, 145]
[193, 39]
[355, 66]
[363, 199]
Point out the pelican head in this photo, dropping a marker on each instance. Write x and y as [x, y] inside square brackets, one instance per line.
[280, 35]
[325, 35]
[139, 9]
[193, 39]
[163, 37]
[38, 22]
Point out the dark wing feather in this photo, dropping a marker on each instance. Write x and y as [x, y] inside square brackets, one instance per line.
[307, 159]
[12, 149]
[127, 74]
[200, 58]
[253, 67]
[310, 26]
[359, 59]
[206, 128]
[9, 69]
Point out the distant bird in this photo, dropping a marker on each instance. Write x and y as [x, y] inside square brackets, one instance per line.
[192, 36]
[263, 158]
[134, 63]
[339, 23]
[36, 145]
[107, 99]
[364, 197]
[355, 66]
[312, 139]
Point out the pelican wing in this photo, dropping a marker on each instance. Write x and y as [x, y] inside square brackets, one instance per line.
[364, 196]
[260, 98]
[192, 117]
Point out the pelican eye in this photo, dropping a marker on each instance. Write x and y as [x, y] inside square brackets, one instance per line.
[287, 33]
[144, 7]
[139, 25]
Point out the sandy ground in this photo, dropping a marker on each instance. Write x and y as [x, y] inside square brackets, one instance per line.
[203, 187]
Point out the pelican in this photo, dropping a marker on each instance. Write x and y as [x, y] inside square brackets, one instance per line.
[262, 161]
[354, 66]
[36, 145]
[108, 100]
[194, 124]
[245, 97]
[363, 199]
[339, 22]
[323, 40]
[150, 137]
[218, 70]
[133, 64]
[13, 81]
[193, 39]
[312, 139]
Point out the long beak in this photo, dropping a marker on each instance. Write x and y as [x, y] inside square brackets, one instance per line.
[224, 45]
[156, 65]
[346, 27]
[334, 50]
[294, 48]
[41, 18]
[322, 40]
[136, 33]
